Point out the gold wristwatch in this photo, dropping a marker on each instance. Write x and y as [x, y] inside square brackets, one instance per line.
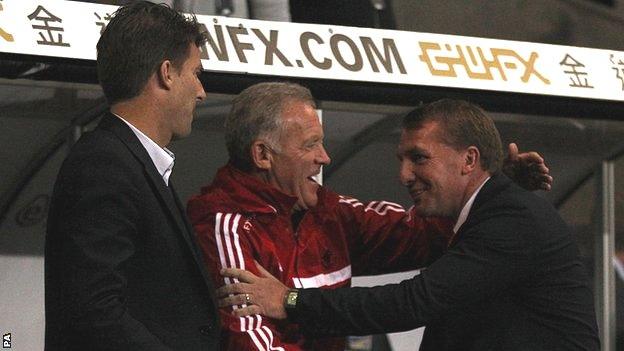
[290, 299]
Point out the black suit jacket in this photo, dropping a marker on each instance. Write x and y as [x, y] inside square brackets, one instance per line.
[122, 269]
[511, 280]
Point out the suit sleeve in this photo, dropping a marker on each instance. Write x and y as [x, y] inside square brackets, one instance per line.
[490, 259]
[93, 233]
[223, 245]
[385, 238]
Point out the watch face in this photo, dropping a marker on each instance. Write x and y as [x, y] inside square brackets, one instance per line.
[291, 299]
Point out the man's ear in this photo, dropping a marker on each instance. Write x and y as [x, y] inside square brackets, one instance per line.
[261, 155]
[472, 160]
[165, 74]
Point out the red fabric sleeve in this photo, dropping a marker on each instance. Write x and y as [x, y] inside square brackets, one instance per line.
[384, 238]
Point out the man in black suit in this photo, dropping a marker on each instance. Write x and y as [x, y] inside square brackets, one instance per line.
[511, 278]
[122, 269]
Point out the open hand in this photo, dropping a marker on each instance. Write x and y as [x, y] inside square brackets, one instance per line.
[527, 169]
[254, 295]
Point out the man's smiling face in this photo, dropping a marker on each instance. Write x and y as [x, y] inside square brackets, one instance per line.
[431, 171]
[301, 154]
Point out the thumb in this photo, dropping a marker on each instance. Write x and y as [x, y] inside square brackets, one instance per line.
[513, 152]
[263, 272]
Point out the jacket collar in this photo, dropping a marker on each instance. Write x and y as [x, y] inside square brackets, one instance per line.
[246, 193]
[116, 126]
[162, 158]
[497, 183]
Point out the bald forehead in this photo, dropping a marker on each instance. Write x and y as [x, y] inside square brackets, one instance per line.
[298, 110]
[290, 105]
[300, 123]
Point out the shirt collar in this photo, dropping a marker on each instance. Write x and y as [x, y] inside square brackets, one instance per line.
[162, 157]
[464, 212]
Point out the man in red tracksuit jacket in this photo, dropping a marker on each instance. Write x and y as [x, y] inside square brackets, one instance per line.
[240, 219]
[264, 207]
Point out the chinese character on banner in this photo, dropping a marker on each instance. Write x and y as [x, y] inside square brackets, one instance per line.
[102, 21]
[575, 70]
[44, 16]
[6, 36]
[618, 67]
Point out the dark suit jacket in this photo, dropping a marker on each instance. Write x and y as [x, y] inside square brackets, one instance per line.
[122, 270]
[511, 280]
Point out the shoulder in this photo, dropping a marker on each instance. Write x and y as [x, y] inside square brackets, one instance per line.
[377, 206]
[328, 198]
[516, 214]
[513, 201]
[99, 145]
[208, 203]
[100, 156]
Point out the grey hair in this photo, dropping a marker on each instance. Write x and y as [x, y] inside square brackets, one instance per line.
[256, 114]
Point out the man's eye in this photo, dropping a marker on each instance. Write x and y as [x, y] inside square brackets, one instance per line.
[313, 144]
[418, 158]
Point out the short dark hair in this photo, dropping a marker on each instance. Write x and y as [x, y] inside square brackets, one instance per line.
[138, 38]
[462, 124]
[257, 113]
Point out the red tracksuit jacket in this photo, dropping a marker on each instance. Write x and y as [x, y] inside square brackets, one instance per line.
[239, 219]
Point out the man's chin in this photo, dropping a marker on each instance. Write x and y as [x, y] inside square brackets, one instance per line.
[425, 211]
[302, 205]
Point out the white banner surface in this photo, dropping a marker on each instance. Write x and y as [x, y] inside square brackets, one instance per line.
[71, 29]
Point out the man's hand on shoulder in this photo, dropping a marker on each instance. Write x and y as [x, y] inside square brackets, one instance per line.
[527, 169]
[255, 295]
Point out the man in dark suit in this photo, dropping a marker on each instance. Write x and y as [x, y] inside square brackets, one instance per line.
[511, 278]
[122, 269]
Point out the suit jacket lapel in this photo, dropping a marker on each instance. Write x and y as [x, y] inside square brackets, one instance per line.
[180, 207]
[164, 193]
[119, 128]
[197, 255]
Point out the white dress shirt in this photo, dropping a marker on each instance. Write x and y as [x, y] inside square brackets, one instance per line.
[162, 157]
[464, 212]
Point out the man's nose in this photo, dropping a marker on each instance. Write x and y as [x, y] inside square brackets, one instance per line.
[323, 157]
[201, 93]
[405, 173]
